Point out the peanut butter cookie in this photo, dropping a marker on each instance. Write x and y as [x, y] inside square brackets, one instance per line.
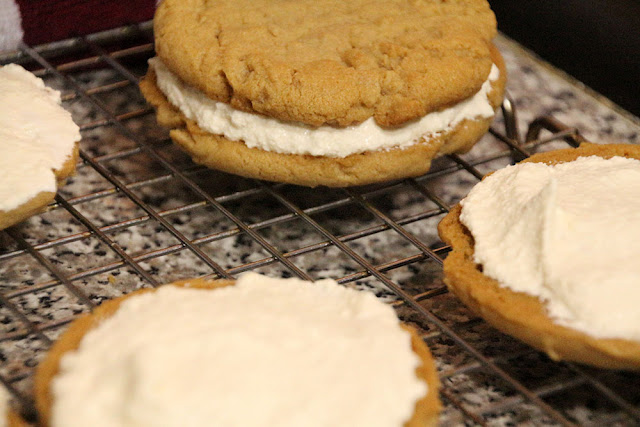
[38, 144]
[329, 61]
[299, 70]
[425, 413]
[522, 315]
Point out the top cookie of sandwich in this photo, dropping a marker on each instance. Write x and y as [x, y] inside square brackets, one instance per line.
[329, 62]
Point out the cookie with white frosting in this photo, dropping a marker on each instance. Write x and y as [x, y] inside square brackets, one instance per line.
[287, 92]
[38, 144]
[545, 251]
[294, 352]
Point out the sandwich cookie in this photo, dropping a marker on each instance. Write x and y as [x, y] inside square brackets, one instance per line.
[324, 92]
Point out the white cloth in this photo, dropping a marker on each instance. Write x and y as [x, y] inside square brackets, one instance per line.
[10, 25]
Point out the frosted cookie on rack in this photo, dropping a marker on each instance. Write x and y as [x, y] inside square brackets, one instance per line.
[546, 250]
[262, 351]
[38, 144]
[324, 92]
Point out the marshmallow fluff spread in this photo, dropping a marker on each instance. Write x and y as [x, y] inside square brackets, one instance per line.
[268, 134]
[568, 234]
[36, 136]
[277, 352]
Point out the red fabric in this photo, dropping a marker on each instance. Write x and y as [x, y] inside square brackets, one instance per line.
[49, 20]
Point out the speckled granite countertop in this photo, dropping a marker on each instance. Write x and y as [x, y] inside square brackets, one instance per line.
[100, 242]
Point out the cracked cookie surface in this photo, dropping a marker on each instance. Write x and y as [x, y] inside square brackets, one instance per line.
[327, 61]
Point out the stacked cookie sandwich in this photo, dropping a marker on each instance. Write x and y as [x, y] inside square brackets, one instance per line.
[324, 92]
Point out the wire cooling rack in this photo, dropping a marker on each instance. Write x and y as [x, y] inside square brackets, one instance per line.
[139, 213]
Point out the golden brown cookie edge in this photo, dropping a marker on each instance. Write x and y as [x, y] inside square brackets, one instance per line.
[39, 202]
[15, 420]
[427, 409]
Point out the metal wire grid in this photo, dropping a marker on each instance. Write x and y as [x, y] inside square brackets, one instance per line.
[487, 378]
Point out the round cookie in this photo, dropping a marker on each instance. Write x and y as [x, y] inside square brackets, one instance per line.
[235, 157]
[38, 144]
[329, 61]
[521, 315]
[426, 409]
[328, 64]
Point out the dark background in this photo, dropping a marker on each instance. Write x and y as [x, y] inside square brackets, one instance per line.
[596, 41]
